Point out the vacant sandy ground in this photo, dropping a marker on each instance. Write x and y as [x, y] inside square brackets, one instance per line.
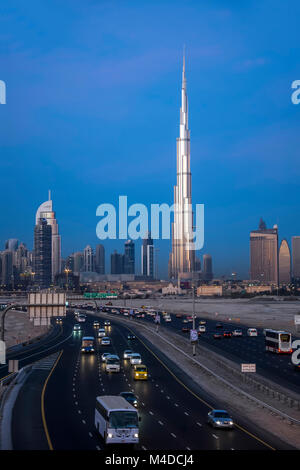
[258, 312]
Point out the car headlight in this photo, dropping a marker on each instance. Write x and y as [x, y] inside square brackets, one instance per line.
[136, 435]
[218, 422]
[110, 435]
[82, 349]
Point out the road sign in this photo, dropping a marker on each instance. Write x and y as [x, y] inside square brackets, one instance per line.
[2, 352]
[193, 336]
[248, 367]
[297, 319]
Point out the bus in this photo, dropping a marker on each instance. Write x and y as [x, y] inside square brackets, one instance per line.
[116, 420]
[278, 341]
[87, 344]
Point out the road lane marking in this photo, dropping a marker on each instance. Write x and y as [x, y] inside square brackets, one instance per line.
[174, 435]
[43, 402]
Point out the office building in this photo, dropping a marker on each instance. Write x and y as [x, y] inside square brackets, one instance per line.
[11, 244]
[296, 257]
[88, 259]
[207, 268]
[284, 263]
[264, 254]
[100, 259]
[42, 253]
[147, 257]
[116, 263]
[129, 257]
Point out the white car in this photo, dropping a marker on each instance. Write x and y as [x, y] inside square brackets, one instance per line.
[105, 341]
[127, 353]
[135, 358]
[202, 328]
[101, 333]
[252, 332]
[104, 356]
[112, 363]
[237, 333]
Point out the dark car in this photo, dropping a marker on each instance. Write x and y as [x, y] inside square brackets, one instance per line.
[185, 329]
[178, 315]
[130, 397]
[217, 336]
[131, 337]
[219, 325]
[227, 334]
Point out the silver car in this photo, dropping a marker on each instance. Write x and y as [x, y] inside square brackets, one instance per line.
[127, 353]
[220, 419]
[135, 358]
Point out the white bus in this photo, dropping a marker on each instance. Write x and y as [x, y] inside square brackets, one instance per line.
[278, 341]
[116, 420]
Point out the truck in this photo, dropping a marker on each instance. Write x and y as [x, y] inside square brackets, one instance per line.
[87, 344]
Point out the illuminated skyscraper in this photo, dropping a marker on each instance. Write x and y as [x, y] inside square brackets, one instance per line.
[42, 253]
[284, 263]
[296, 257]
[183, 256]
[46, 212]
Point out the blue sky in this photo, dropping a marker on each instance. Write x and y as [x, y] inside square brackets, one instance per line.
[93, 97]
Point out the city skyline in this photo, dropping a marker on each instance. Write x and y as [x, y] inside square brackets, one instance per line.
[244, 139]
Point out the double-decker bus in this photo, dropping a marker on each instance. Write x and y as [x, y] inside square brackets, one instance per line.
[278, 341]
[116, 420]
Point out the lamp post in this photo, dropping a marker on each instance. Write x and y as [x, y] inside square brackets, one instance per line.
[193, 285]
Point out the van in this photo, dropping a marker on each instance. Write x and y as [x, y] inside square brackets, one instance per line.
[252, 332]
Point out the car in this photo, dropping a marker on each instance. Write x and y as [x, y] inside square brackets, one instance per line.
[178, 315]
[185, 320]
[219, 325]
[105, 341]
[135, 358]
[237, 332]
[96, 324]
[130, 397]
[59, 321]
[112, 363]
[252, 332]
[185, 329]
[167, 318]
[220, 419]
[202, 329]
[76, 327]
[104, 356]
[217, 336]
[101, 333]
[227, 334]
[140, 372]
[81, 318]
[113, 310]
[127, 353]
[189, 318]
[107, 323]
[202, 322]
[131, 337]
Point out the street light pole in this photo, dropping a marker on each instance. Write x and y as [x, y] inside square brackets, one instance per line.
[193, 284]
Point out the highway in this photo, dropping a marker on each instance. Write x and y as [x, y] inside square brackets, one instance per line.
[243, 349]
[172, 407]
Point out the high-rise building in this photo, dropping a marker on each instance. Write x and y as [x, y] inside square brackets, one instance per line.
[78, 263]
[7, 273]
[197, 264]
[100, 259]
[183, 255]
[129, 257]
[264, 254]
[296, 257]
[117, 263]
[88, 259]
[284, 263]
[45, 211]
[207, 268]
[11, 244]
[147, 256]
[42, 253]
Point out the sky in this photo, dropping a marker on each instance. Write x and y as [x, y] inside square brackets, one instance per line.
[92, 112]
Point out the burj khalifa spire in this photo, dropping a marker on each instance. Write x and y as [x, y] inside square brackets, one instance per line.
[183, 255]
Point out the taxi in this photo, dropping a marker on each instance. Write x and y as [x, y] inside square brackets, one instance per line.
[140, 372]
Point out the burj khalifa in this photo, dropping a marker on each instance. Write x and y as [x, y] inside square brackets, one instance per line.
[182, 258]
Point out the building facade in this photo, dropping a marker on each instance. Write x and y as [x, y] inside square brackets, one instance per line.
[264, 254]
[129, 257]
[296, 257]
[147, 257]
[207, 274]
[100, 259]
[284, 263]
[88, 259]
[42, 254]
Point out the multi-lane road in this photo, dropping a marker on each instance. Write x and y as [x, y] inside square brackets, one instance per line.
[172, 407]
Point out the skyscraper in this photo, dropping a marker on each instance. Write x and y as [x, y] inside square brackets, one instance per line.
[78, 262]
[42, 253]
[183, 256]
[284, 263]
[207, 268]
[129, 257]
[116, 263]
[147, 256]
[45, 211]
[11, 244]
[296, 257]
[100, 259]
[88, 259]
[264, 254]
[7, 268]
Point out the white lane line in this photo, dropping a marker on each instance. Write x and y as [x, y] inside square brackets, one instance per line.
[168, 398]
[79, 412]
[187, 448]
[151, 413]
[176, 404]
[90, 434]
[160, 423]
[174, 435]
[83, 421]
[216, 437]
[199, 424]
[144, 448]
[186, 413]
[98, 448]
